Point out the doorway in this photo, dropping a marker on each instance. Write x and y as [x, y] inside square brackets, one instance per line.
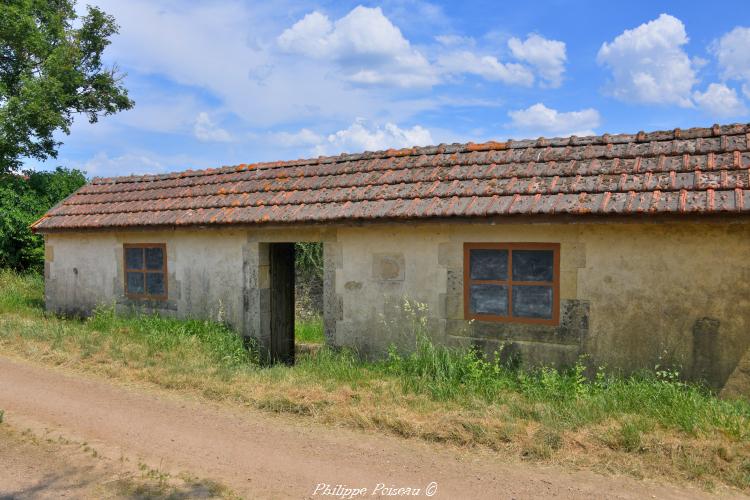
[281, 257]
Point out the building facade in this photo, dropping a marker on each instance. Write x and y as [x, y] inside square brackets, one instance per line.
[630, 249]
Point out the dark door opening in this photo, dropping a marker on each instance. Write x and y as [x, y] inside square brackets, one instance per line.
[282, 302]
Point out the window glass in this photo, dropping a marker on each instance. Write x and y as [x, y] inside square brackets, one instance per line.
[489, 299]
[533, 265]
[512, 282]
[532, 301]
[155, 283]
[488, 264]
[145, 271]
[134, 258]
[135, 283]
[154, 259]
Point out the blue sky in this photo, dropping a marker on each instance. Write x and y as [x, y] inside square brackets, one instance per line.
[227, 82]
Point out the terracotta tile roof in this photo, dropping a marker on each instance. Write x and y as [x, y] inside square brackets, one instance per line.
[699, 170]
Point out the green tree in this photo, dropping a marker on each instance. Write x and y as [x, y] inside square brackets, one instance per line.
[23, 199]
[51, 70]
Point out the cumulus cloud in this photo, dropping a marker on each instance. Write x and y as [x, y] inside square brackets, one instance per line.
[206, 130]
[311, 36]
[539, 120]
[720, 101]
[546, 56]
[364, 136]
[733, 54]
[487, 67]
[365, 43]
[649, 65]
[371, 50]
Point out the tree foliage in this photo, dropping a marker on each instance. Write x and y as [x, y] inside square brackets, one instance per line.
[23, 200]
[51, 70]
[309, 259]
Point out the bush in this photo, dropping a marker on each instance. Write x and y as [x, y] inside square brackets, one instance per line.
[308, 257]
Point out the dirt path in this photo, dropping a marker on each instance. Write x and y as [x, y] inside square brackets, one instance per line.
[267, 456]
[43, 468]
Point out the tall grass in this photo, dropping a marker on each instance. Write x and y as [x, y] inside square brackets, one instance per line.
[435, 392]
[567, 399]
[21, 292]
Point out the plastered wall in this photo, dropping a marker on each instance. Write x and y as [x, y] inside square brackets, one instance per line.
[633, 295]
[204, 273]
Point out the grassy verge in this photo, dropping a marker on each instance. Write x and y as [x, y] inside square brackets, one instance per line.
[645, 425]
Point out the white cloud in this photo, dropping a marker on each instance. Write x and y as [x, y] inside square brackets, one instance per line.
[206, 130]
[539, 120]
[365, 43]
[319, 68]
[733, 54]
[363, 136]
[208, 46]
[546, 56]
[720, 101]
[363, 31]
[128, 164]
[311, 36]
[487, 67]
[371, 50]
[649, 64]
[304, 137]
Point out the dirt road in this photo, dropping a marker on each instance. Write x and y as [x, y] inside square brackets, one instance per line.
[267, 456]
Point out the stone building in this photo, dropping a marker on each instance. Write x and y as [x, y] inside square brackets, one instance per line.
[632, 249]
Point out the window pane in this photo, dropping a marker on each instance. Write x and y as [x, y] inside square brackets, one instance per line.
[489, 299]
[134, 258]
[532, 301]
[532, 265]
[135, 283]
[154, 259]
[487, 264]
[155, 283]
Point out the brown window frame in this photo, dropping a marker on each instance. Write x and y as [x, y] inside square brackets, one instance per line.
[143, 270]
[554, 284]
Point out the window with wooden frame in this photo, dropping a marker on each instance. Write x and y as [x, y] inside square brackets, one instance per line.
[145, 270]
[512, 282]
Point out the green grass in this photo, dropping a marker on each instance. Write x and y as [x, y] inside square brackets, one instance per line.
[651, 423]
[21, 292]
[309, 330]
